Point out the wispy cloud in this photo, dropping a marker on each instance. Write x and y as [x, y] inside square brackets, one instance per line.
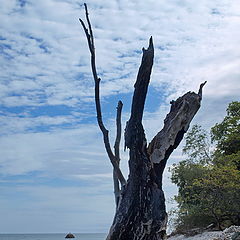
[46, 53]
[48, 124]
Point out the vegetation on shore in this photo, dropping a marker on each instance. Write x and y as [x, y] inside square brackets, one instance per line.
[208, 179]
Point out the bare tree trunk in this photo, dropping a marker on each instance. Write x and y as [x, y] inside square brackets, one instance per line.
[141, 214]
[140, 203]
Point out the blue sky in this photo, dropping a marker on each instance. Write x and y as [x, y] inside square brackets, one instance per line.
[54, 173]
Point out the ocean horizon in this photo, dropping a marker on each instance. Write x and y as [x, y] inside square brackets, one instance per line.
[51, 236]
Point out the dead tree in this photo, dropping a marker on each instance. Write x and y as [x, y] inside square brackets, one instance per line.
[140, 203]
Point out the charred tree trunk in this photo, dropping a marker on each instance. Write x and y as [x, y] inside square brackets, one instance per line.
[141, 214]
[140, 203]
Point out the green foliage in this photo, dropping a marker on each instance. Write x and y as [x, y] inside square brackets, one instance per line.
[197, 145]
[227, 133]
[219, 194]
[209, 182]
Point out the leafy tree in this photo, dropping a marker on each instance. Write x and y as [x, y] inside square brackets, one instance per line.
[209, 182]
[197, 146]
[219, 194]
[185, 174]
[227, 133]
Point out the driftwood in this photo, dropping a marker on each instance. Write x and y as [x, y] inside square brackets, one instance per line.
[140, 203]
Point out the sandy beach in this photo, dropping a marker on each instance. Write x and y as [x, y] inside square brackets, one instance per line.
[227, 234]
[203, 236]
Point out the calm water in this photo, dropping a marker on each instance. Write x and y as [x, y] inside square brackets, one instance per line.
[59, 236]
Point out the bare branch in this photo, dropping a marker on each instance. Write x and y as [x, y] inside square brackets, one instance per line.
[89, 24]
[87, 35]
[117, 152]
[119, 130]
[90, 39]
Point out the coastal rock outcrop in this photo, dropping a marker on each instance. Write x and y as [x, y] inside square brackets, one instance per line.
[70, 235]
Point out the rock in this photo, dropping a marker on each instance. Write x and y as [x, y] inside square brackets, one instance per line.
[193, 232]
[236, 236]
[70, 235]
[231, 233]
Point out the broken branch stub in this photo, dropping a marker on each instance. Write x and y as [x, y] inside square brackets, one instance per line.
[139, 96]
[176, 124]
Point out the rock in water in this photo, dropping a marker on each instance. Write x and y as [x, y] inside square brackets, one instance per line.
[70, 235]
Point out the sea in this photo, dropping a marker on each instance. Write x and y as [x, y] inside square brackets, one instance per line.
[53, 236]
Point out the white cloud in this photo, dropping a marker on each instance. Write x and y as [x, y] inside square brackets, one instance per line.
[45, 61]
[93, 176]
[48, 45]
[19, 124]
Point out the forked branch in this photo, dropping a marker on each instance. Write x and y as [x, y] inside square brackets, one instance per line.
[90, 39]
